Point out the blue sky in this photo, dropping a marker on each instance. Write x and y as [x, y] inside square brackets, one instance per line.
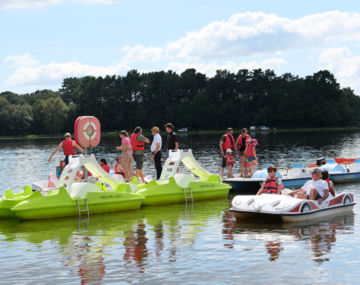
[45, 41]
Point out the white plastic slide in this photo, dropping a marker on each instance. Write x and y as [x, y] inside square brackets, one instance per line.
[75, 163]
[187, 158]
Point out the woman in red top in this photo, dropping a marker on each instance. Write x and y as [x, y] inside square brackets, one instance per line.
[105, 165]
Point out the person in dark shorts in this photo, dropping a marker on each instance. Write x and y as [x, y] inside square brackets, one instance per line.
[156, 150]
[69, 147]
[240, 146]
[172, 142]
[138, 147]
[226, 142]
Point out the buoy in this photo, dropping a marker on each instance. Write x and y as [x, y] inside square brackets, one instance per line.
[87, 131]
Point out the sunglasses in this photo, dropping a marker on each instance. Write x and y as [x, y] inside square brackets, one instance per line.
[271, 170]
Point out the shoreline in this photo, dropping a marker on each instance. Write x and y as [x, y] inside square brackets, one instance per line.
[114, 134]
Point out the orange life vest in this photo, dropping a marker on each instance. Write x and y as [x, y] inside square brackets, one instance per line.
[68, 147]
[228, 143]
[135, 144]
[270, 185]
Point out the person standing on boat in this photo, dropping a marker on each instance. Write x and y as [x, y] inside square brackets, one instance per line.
[127, 155]
[138, 146]
[69, 147]
[240, 146]
[315, 189]
[251, 157]
[156, 150]
[272, 184]
[226, 142]
[172, 142]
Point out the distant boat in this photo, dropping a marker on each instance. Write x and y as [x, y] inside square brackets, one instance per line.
[183, 130]
[264, 128]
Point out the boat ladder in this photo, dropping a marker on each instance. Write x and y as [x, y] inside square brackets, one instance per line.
[188, 195]
[83, 210]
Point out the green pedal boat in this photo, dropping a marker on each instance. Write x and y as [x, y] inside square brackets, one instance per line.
[174, 187]
[73, 198]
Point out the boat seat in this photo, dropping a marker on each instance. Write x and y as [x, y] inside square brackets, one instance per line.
[118, 177]
[80, 189]
[295, 172]
[183, 180]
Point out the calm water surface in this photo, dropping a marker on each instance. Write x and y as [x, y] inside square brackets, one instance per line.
[180, 244]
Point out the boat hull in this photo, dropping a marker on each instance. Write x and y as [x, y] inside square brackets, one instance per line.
[61, 204]
[290, 209]
[250, 185]
[294, 218]
[156, 193]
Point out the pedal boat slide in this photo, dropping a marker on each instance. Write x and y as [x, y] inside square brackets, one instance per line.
[174, 187]
[71, 198]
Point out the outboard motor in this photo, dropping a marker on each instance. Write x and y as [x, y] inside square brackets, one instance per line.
[320, 161]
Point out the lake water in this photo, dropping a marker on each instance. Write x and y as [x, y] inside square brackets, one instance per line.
[180, 244]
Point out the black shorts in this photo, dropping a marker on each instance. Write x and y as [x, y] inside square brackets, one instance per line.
[317, 196]
[139, 160]
[223, 163]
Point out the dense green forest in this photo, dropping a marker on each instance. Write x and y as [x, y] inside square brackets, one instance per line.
[191, 99]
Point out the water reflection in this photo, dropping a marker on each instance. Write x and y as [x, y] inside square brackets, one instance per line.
[140, 238]
[320, 236]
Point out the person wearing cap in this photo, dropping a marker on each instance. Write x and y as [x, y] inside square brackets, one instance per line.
[138, 147]
[172, 142]
[250, 153]
[240, 146]
[272, 184]
[156, 150]
[230, 161]
[226, 142]
[314, 189]
[69, 147]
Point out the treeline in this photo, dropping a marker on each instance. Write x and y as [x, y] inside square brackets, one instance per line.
[191, 99]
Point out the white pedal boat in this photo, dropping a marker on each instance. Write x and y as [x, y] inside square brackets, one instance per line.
[288, 208]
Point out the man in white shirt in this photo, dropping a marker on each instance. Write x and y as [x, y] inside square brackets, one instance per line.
[156, 150]
[315, 189]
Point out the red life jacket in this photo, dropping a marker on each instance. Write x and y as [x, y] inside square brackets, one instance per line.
[330, 188]
[106, 167]
[229, 142]
[249, 150]
[68, 147]
[136, 145]
[270, 185]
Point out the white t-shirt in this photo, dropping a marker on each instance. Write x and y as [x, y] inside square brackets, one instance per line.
[320, 185]
[157, 139]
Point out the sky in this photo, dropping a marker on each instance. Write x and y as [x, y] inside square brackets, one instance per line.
[44, 41]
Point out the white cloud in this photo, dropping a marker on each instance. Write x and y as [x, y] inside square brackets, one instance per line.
[29, 73]
[344, 65]
[21, 60]
[210, 69]
[141, 53]
[247, 34]
[23, 4]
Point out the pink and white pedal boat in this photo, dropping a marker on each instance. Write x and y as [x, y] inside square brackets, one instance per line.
[290, 209]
